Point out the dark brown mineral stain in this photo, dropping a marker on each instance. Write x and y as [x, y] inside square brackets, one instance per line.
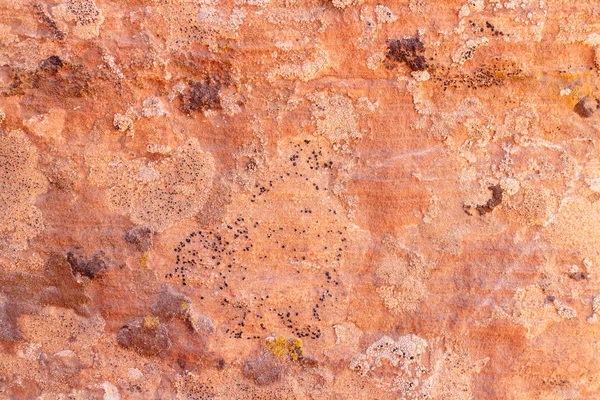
[141, 237]
[22, 389]
[62, 290]
[578, 276]
[9, 313]
[408, 50]
[171, 305]
[52, 64]
[55, 77]
[92, 268]
[586, 107]
[264, 370]
[62, 364]
[491, 203]
[22, 293]
[147, 338]
[201, 96]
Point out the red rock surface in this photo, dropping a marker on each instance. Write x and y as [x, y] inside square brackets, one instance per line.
[264, 199]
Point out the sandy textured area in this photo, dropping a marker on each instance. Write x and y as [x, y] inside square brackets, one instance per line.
[285, 199]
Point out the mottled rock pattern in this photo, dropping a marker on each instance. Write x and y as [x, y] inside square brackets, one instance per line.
[282, 199]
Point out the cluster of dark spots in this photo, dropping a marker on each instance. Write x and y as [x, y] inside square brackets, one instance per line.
[287, 317]
[488, 25]
[495, 31]
[134, 388]
[224, 259]
[320, 305]
[308, 331]
[329, 275]
[315, 313]
[92, 268]
[147, 339]
[262, 189]
[491, 204]
[141, 237]
[191, 388]
[486, 76]
[212, 250]
[408, 50]
[85, 11]
[45, 18]
[586, 107]
[245, 319]
[313, 159]
[302, 161]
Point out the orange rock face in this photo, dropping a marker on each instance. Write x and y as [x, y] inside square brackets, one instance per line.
[282, 199]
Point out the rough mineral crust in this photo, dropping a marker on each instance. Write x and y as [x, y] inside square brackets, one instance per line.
[284, 199]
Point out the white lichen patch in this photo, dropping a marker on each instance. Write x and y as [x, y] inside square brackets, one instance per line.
[345, 3]
[563, 310]
[467, 51]
[402, 275]
[414, 369]
[452, 374]
[335, 117]
[111, 392]
[421, 76]
[595, 310]
[591, 172]
[347, 334]
[384, 14]
[400, 353]
[153, 107]
[200, 22]
[163, 192]
[375, 60]
[304, 70]
[123, 123]
[520, 20]
[533, 311]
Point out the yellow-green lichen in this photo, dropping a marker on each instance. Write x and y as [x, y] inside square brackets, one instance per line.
[144, 260]
[151, 321]
[280, 346]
